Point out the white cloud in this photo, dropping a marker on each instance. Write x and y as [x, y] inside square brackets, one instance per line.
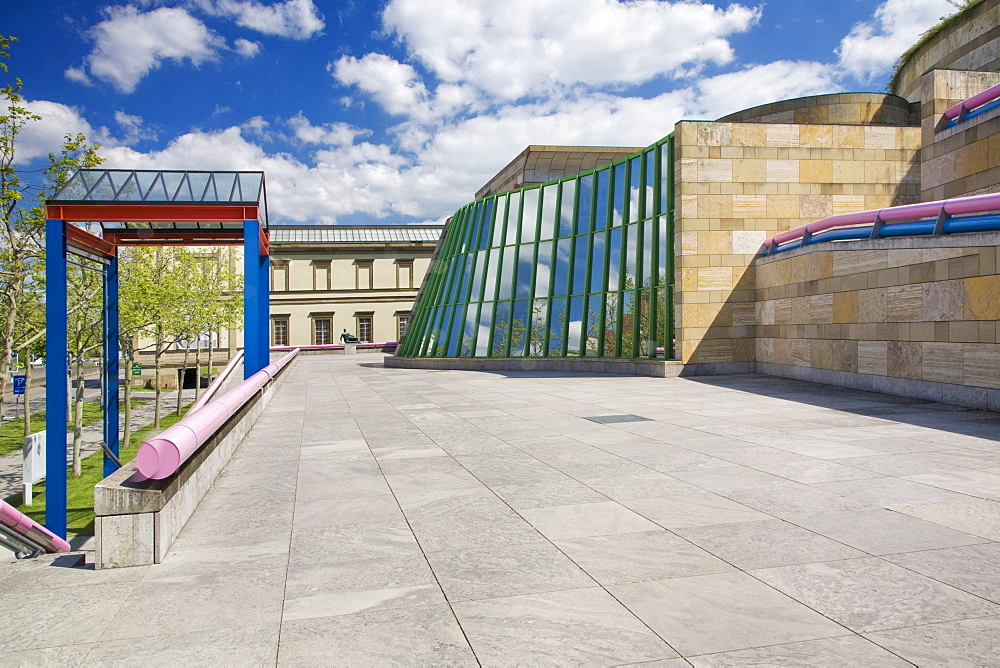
[872, 47]
[39, 138]
[330, 134]
[296, 19]
[394, 85]
[523, 47]
[246, 48]
[762, 84]
[129, 44]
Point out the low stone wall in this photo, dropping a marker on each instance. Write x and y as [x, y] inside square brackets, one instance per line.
[626, 367]
[910, 316]
[139, 519]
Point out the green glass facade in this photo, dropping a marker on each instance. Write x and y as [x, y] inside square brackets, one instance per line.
[580, 267]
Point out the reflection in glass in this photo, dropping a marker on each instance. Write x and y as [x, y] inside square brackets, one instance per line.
[566, 209]
[525, 270]
[483, 334]
[538, 333]
[595, 309]
[487, 227]
[648, 266]
[646, 347]
[548, 223]
[519, 328]
[666, 173]
[557, 322]
[468, 343]
[631, 257]
[478, 273]
[650, 180]
[574, 326]
[635, 189]
[598, 262]
[562, 267]
[501, 330]
[513, 213]
[614, 260]
[490, 288]
[507, 273]
[610, 329]
[529, 216]
[584, 212]
[627, 324]
[581, 260]
[601, 206]
[618, 201]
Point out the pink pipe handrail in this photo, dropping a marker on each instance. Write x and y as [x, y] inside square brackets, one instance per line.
[213, 388]
[334, 346]
[160, 457]
[949, 207]
[21, 524]
[973, 103]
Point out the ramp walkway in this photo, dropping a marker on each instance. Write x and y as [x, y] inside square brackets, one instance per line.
[381, 516]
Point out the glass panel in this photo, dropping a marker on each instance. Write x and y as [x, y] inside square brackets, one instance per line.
[201, 187]
[182, 193]
[501, 330]
[104, 190]
[490, 289]
[635, 189]
[75, 188]
[601, 206]
[627, 328]
[631, 257]
[548, 223]
[609, 334]
[507, 273]
[468, 270]
[614, 260]
[665, 173]
[556, 326]
[487, 226]
[225, 185]
[477, 277]
[457, 275]
[501, 217]
[543, 269]
[593, 330]
[648, 266]
[485, 323]
[514, 201]
[661, 252]
[581, 260]
[575, 326]
[597, 262]
[130, 191]
[537, 331]
[529, 216]
[644, 329]
[649, 181]
[250, 187]
[518, 328]
[618, 201]
[584, 213]
[525, 266]
[153, 189]
[566, 209]
[457, 328]
[469, 335]
[562, 267]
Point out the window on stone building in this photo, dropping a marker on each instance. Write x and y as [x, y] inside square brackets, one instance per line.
[365, 328]
[402, 324]
[321, 275]
[364, 268]
[279, 276]
[279, 331]
[322, 331]
[404, 274]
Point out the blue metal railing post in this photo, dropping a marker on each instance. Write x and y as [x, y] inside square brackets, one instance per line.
[256, 301]
[56, 386]
[111, 383]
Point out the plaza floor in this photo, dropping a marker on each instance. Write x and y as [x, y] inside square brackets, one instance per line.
[384, 516]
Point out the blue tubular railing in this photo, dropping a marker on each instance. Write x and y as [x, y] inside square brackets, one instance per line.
[975, 105]
[980, 213]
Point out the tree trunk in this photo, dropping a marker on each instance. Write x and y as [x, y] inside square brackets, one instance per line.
[27, 394]
[197, 366]
[210, 350]
[156, 377]
[9, 324]
[127, 428]
[180, 383]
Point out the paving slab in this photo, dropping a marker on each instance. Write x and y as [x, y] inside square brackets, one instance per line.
[387, 516]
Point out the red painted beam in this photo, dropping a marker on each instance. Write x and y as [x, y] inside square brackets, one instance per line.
[88, 242]
[151, 213]
[265, 245]
[161, 237]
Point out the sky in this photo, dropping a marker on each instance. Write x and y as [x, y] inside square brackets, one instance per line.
[397, 111]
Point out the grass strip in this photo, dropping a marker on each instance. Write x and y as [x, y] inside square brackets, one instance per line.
[12, 431]
[80, 491]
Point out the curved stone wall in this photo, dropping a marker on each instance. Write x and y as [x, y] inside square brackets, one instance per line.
[968, 41]
[834, 109]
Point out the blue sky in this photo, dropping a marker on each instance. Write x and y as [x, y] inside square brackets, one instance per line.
[396, 111]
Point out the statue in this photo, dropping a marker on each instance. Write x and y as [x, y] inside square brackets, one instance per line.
[349, 338]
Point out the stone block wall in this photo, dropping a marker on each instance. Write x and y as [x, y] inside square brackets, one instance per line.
[834, 109]
[738, 183]
[964, 159]
[910, 316]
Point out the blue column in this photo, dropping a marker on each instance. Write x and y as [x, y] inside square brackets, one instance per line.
[55, 377]
[256, 301]
[111, 384]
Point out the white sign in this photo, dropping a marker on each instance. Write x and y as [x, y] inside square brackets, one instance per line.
[33, 454]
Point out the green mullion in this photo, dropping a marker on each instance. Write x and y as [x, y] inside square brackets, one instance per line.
[670, 259]
[468, 231]
[482, 289]
[473, 255]
[448, 279]
[437, 273]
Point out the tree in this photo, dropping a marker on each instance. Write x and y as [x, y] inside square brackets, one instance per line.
[22, 225]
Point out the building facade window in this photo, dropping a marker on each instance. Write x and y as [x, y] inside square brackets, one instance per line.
[321, 275]
[279, 331]
[364, 274]
[279, 276]
[322, 331]
[404, 274]
[365, 328]
[402, 324]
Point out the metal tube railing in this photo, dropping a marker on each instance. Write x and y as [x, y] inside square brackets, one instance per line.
[217, 384]
[29, 531]
[963, 214]
[160, 457]
[978, 100]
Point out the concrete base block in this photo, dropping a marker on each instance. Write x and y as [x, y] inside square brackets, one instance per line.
[124, 540]
[350, 349]
[625, 367]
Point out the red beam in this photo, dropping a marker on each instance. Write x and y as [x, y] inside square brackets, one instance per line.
[150, 213]
[88, 242]
[265, 245]
[161, 237]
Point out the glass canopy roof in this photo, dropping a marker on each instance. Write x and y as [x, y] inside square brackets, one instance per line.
[164, 187]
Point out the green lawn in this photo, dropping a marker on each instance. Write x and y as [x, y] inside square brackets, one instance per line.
[12, 432]
[80, 491]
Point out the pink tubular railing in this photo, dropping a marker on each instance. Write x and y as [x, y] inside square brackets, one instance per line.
[220, 380]
[160, 457]
[973, 103]
[949, 207]
[28, 528]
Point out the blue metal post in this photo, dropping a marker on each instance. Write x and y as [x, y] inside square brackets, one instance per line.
[111, 383]
[256, 301]
[55, 377]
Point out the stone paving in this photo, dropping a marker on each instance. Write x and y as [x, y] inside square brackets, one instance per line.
[384, 516]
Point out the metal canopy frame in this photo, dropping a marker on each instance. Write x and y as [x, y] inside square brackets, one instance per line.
[141, 208]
